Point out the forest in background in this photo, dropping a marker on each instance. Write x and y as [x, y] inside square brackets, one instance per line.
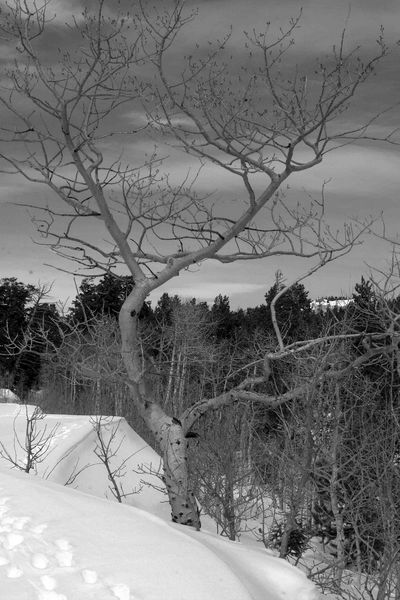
[323, 469]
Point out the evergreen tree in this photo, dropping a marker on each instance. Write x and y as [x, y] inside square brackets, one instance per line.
[164, 310]
[15, 297]
[44, 327]
[364, 296]
[103, 298]
[257, 318]
[293, 310]
[222, 317]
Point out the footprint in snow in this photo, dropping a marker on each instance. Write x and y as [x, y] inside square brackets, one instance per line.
[64, 559]
[40, 561]
[12, 540]
[15, 546]
[49, 583]
[64, 555]
[62, 544]
[38, 529]
[121, 591]
[90, 577]
[14, 572]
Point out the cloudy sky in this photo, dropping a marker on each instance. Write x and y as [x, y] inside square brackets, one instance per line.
[363, 179]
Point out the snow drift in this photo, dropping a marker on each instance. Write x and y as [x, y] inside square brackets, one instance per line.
[59, 543]
[7, 395]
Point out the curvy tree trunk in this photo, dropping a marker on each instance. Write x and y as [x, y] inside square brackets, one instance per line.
[183, 504]
[167, 430]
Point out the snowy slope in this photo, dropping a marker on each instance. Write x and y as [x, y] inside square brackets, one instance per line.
[57, 543]
[7, 395]
[71, 455]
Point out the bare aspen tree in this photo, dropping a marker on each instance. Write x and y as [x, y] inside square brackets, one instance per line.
[69, 111]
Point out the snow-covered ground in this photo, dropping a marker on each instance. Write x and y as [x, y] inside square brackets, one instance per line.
[60, 543]
[7, 395]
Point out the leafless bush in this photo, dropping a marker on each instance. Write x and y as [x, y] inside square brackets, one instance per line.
[36, 443]
[108, 451]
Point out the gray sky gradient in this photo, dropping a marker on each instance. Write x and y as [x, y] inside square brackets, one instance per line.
[363, 179]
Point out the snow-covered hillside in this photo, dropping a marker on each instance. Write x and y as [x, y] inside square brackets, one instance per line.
[71, 460]
[59, 543]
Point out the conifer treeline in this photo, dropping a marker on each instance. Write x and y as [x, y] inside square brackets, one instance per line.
[21, 312]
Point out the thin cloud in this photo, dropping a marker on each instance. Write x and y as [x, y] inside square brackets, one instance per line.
[207, 290]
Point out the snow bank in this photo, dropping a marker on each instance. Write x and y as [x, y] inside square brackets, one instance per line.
[71, 459]
[57, 543]
[7, 395]
[90, 548]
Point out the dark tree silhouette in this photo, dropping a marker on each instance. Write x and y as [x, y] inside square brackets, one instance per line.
[15, 297]
[103, 298]
[293, 310]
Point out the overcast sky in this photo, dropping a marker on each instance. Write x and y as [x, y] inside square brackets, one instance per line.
[364, 179]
